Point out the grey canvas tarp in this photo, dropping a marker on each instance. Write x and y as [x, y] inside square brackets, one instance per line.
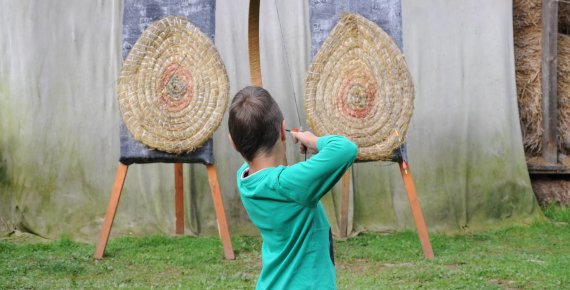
[59, 121]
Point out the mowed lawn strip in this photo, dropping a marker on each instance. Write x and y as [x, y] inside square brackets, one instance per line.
[535, 256]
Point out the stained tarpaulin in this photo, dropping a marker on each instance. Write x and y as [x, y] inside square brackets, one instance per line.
[59, 61]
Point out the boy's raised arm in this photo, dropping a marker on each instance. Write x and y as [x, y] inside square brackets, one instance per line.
[306, 182]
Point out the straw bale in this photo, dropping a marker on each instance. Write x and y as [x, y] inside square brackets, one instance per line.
[527, 13]
[528, 77]
[527, 36]
[528, 61]
[564, 92]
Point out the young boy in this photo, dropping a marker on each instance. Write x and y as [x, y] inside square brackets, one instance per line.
[283, 201]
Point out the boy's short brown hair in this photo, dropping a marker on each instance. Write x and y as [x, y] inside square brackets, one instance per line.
[254, 122]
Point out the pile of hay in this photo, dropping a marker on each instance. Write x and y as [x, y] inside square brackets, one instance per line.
[527, 13]
[564, 92]
[527, 22]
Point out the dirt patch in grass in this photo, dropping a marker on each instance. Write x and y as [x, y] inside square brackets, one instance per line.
[359, 266]
[505, 284]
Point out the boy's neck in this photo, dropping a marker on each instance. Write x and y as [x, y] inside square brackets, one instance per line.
[260, 163]
[273, 159]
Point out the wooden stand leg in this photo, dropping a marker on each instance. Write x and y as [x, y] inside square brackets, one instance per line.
[344, 203]
[179, 198]
[111, 210]
[220, 212]
[416, 210]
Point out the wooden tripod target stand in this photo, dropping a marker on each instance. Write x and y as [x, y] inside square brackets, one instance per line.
[412, 199]
[169, 44]
[179, 208]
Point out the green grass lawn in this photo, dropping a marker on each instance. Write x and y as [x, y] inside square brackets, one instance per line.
[535, 256]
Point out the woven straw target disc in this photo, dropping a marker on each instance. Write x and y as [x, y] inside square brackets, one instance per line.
[173, 88]
[359, 86]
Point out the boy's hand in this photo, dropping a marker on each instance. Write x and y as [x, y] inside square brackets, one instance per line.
[308, 141]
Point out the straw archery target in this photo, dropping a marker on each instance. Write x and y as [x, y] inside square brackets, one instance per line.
[173, 88]
[359, 86]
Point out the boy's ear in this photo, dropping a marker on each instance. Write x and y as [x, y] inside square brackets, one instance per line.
[283, 132]
[232, 142]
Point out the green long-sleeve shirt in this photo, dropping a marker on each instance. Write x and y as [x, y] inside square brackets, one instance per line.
[283, 202]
